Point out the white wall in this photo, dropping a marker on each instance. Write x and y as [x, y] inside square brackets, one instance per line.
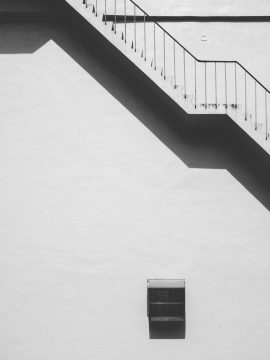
[169, 7]
[92, 203]
[206, 7]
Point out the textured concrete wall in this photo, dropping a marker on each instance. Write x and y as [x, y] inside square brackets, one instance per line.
[105, 182]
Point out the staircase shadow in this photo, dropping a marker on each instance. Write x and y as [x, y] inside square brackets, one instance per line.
[200, 141]
[17, 39]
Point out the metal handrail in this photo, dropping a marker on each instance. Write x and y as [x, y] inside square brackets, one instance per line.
[193, 56]
[199, 60]
[200, 96]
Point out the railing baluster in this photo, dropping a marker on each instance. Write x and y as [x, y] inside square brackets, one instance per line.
[256, 119]
[205, 86]
[115, 16]
[96, 7]
[235, 83]
[135, 30]
[216, 83]
[266, 117]
[125, 12]
[144, 35]
[155, 52]
[105, 11]
[226, 92]
[185, 83]
[195, 63]
[174, 66]
[245, 96]
[164, 54]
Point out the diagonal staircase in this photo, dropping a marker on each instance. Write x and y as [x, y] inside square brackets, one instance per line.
[198, 86]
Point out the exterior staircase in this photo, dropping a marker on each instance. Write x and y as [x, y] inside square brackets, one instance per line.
[198, 86]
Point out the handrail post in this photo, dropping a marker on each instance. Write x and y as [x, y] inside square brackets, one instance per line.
[125, 12]
[266, 117]
[235, 83]
[174, 68]
[226, 92]
[185, 83]
[195, 63]
[245, 96]
[135, 35]
[164, 54]
[155, 53]
[216, 83]
[115, 16]
[105, 11]
[205, 86]
[144, 35]
[256, 115]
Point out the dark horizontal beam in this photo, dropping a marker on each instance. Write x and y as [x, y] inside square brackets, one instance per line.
[130, 18]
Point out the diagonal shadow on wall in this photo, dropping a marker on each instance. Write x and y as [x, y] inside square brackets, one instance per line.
[200, 141]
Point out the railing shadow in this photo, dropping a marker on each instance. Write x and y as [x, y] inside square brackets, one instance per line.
[200, 141]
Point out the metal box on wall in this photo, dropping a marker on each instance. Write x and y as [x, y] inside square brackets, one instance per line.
[166, 300]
